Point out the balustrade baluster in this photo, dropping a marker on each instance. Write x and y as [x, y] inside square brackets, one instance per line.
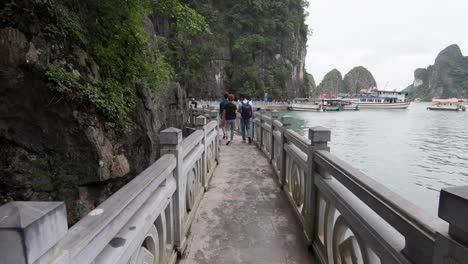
[274, 116]
[170, 140]
[287, 121]
[319, 138]
[453, 208]
[200, 122]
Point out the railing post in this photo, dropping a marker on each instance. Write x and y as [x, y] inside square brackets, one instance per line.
[319, 138]
[286, 121]
[29, 229]
[170, 144]
[215, 116]
[200, 122]
[453, 208]
[262, 112]
[274, 116]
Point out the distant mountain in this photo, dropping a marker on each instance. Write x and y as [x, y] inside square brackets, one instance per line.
[355, 80]
[358, 78]
[331, 83]
[447, 78]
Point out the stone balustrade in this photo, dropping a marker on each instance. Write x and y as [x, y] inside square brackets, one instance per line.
[147, 221]
[347, 216]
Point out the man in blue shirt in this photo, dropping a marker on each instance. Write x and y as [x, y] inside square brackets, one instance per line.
[222, 105]
[246, 110]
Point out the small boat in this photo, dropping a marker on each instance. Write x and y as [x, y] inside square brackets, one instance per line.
[447, 105]
[351, 104]
[311, 107]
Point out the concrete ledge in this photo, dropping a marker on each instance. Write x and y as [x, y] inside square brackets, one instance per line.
[29, 229]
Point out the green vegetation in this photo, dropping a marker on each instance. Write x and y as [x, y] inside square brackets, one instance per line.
[108, 35]
[245, 36]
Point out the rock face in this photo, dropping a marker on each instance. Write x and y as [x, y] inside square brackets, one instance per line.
[447, 78]
[358, 78]
[331, 83]
[55, 148]
[256, 47]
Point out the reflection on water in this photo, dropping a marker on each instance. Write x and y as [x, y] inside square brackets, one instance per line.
[414, 152]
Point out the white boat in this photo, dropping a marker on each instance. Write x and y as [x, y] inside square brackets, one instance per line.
[453, 104]
[321, 105]
[305, 107]
[375, 99]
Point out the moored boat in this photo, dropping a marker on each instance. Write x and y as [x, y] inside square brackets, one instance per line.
[375, 99]
[305, 107]
[447, 105]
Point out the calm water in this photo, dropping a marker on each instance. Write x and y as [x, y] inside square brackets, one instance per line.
[414, 152]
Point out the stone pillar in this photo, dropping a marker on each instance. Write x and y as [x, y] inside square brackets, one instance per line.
[274, 116]
[287, 122]
[453, 208]
[319, 138]
[200, 123]
[262, 121]
[29, 229]
[170, 144]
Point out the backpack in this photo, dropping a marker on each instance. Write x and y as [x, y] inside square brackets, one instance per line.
[246, 110]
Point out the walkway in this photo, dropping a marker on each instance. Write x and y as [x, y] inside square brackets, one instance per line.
[245, 217]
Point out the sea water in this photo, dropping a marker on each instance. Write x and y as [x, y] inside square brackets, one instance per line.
[414, 152]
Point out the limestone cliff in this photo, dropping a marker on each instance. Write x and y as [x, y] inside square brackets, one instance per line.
[255, 47]
[331, 83]
[78, 116]
[447, 78]
[358, 78]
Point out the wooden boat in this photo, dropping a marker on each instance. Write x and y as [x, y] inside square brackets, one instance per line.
[447, 105]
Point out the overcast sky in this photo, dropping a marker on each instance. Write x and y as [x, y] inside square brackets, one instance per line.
[390, 38]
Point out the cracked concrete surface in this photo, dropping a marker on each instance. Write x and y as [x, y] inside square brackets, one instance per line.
[245, 217]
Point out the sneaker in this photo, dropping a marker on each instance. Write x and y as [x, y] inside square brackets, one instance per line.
[228, 143]
[250, 140]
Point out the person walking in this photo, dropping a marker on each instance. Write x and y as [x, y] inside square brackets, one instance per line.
[230, 114]
[222, 105]
[246, 111]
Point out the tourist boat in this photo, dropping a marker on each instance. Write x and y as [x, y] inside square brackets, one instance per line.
[375, 99]
[327, 105]
[447, 105]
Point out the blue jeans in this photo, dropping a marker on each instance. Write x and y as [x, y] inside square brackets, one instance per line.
[245, 125]
[230, 127]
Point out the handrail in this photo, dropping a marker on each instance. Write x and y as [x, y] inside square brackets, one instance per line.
[345, 213]
[395, 209]
[149, 218]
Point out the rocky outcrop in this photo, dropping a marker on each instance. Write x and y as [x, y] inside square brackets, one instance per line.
[57, 147]
[255, 48]
[358, 78]
[447, 78]
[331, 83]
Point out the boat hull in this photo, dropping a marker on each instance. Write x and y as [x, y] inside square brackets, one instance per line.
[309, 108]
[446, 109]
[403, 105]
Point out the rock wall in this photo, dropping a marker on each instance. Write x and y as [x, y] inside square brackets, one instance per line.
[56, 147]
[255, 48]
[447, 78]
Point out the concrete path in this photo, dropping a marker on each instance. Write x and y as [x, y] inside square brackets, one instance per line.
[245, 217]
